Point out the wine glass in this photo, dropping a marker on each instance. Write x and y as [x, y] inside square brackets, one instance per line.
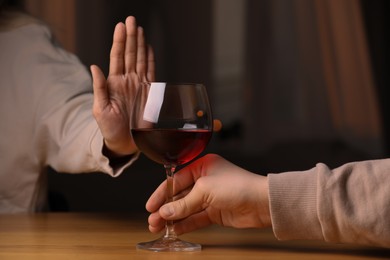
[171, 124]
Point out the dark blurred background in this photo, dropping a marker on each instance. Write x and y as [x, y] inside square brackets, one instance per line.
[294, 82]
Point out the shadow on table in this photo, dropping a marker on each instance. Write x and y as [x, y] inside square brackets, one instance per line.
[322, 248]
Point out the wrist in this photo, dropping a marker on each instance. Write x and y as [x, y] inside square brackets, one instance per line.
[117, 157]
[264, 207]
[116, 151]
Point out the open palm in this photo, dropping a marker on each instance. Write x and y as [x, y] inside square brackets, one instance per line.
[131, 62]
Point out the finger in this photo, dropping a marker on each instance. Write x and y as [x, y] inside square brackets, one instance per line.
[150, 76]
[194, 222]
[156, 223]
[141, 54]
[183, 179]
[157, 199]
[191, 204]
[188, 176]
[100, 96]
[156, 230]
[181, 185]
[182, 194]
[118, 50]
[131, 45]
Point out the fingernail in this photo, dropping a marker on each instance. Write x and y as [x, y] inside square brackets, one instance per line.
[167, 211]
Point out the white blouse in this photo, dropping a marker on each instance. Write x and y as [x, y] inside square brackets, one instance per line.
[45, 114]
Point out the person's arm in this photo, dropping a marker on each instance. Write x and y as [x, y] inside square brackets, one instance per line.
[67, 136]
[350, 204]
[347, 205]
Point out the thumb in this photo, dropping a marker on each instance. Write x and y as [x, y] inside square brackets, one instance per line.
[183, 207]
[97, 77]
[99, 84]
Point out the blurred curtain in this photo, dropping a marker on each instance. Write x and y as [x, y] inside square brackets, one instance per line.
[59, 15]
[309, 75]
[348, 73]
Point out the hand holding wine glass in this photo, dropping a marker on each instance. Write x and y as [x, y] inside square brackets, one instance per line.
[171, 124]
[212, 190]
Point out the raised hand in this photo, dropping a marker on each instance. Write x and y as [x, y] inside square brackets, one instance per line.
[131, 62]
[209, 191]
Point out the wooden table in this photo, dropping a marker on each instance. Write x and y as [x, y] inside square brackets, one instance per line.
[115, 235]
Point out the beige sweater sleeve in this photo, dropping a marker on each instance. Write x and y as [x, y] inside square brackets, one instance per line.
[350, 204]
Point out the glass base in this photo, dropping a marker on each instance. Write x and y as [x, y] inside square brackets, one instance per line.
[166, 244]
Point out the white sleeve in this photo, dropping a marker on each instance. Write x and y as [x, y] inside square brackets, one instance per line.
[66, 135]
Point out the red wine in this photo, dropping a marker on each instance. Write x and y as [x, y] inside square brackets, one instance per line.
[171, 146]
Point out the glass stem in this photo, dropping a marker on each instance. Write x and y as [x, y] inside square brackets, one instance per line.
[169, 228]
